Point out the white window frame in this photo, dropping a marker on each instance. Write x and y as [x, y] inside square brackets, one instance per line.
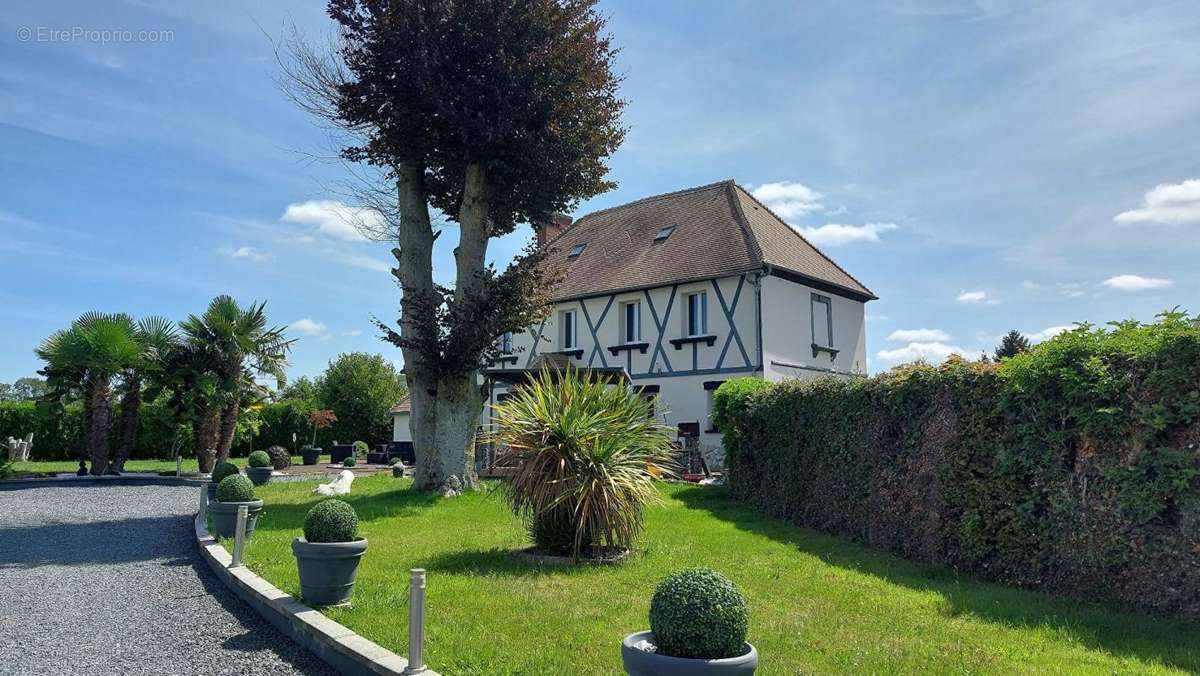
[822, 327]
[570, 329]
[628, 336]
[702, 324]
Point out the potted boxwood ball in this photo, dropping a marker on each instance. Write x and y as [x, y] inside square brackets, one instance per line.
[698, 622]
[219, 472]
[258, 467]
[349, 461]
[233, 492]
[397, 468]
[328, 554]
[311, 455]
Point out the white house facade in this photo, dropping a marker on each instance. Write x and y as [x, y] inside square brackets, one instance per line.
[685, 290]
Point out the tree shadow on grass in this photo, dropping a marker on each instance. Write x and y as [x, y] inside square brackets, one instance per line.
[1169, 641]
[369, 507]
[502, 562]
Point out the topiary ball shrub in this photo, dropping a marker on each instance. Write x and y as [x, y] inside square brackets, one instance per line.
[259, 459]
[331, 521]
[348, 462]
[281, 458]
[361, 448]
[223, 470]
[236, 488]
[698, 613]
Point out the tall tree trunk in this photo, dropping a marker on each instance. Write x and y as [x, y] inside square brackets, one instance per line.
[85, 444]
[229, 418]
[127, 429]
[100, 423]
[452, 465]
[203, 421]
[414, 271]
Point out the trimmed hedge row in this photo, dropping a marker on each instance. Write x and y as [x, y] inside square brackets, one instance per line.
[1073, 468]
[58, 435]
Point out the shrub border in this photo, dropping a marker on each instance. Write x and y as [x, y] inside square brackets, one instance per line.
[334, 644]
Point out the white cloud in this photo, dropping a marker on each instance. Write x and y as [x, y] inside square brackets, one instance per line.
[918, 335]
[1046, 333]
[309, 327]
[364, 262]
[333, 218]
[247, 252]
[932, 351]
[972, 297]
[788, 199]
[352, 332]
[1172, 204]
[1135, 283]
[837, 234]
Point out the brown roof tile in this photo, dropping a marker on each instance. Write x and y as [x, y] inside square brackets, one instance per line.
[403, 406]
[719, 230]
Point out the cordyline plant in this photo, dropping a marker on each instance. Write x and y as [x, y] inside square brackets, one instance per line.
[493, 113]
[586, 454]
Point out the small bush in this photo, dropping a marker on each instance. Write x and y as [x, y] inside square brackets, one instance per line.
[259, 459]
[349, 462]
[281, 458]
[331, 521]
[235, 488]
[361, 448]
[223, 470]
[698, 613]
[394, 461]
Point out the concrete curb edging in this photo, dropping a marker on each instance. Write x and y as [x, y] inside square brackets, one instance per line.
[337, 646]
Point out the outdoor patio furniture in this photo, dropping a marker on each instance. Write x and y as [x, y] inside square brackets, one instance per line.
[18, 449]
[402, 450]
[379, 456]
[340, 452]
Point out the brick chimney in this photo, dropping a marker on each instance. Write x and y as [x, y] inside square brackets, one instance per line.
[551, 228]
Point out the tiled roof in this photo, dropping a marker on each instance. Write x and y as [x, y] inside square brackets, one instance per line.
[403, 406]
[720, 230]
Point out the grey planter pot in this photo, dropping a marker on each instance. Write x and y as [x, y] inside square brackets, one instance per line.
[398, 471]
[310, 456]
[327, 569]
[639, 662]
[259, 475]
[224, 517]
[212, 492]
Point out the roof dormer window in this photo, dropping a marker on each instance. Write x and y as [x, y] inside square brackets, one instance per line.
[664, 232]
[577, 249]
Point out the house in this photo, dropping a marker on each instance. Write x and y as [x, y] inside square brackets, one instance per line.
[686, 290]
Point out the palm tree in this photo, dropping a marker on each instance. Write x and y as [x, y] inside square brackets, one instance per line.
[84, 359]
[242, 348]
[157, 337]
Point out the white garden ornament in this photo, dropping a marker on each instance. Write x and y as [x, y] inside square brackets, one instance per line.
[339, 486]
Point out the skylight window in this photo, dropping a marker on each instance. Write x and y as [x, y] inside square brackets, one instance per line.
[577, 249]
[664, 232]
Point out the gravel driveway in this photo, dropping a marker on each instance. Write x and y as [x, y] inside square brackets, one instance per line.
[107, 580]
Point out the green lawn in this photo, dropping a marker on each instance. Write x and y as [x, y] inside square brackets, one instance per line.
[70, 466]
[817, 603]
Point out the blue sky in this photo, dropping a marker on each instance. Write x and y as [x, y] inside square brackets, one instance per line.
[980, 165]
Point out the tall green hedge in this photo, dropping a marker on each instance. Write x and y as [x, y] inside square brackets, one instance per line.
[1074, 468]
[57, 434]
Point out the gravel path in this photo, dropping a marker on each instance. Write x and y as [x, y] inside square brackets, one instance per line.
[107, 580]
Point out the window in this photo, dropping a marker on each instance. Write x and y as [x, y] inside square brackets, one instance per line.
[664, 232]
[822, 321]
[697, 314]
[506, 346]
[568, 330]
[577, 249]
[631, 322]
[710, 389]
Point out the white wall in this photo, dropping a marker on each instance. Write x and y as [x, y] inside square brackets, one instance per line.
[788, 332]
[400, 431]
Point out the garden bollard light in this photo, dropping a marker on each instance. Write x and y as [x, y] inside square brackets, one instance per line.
[416, 622]
[239, 537]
